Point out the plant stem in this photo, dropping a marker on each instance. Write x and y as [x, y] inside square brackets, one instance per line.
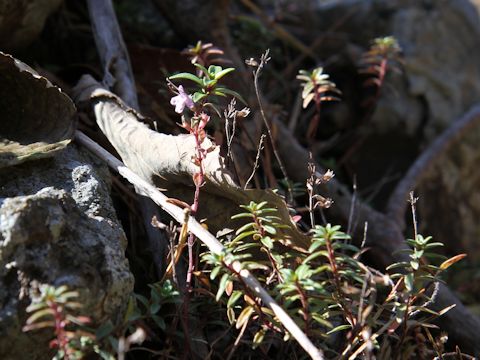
[336, 278]
[199, 156]
[304, 301]
[256, 75]
[412, 200]
[62, 341]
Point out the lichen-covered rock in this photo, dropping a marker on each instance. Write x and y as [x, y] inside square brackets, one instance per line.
[58, 227]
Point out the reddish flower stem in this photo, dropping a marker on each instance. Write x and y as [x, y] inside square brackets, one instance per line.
[194, 208]
[196, 131]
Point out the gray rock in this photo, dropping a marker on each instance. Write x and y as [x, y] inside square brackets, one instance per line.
[58, 227]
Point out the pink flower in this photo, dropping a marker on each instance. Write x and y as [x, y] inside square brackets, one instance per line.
[182, 100]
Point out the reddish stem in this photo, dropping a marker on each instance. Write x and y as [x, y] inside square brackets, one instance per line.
[199, 157]
[61, 341]
[336, 279]
[304, 301]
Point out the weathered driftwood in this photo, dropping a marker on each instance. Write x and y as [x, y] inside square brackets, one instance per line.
[119, 77]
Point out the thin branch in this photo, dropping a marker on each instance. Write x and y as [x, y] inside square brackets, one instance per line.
[257, 160]
[203, 235]
[256, 74]
[397, 205]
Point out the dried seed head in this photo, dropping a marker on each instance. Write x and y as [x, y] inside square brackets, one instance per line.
[243, 113]
[328, 176]
[251, 62]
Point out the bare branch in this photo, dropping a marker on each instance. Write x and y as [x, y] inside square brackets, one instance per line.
[257, 160]
[112, 51]
[397, 203]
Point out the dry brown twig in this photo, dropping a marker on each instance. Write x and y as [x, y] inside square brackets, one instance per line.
[257, 160]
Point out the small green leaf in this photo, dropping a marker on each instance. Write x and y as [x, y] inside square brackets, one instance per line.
[39, 314]
[231, 315]
[244, 228]
[234, 298]
[35, 306]
[242, 215]
[270, 229]
[258, 338]
[222, 286]
[244, 316]
[187, 76]
[39, 325]
[232, 93]
[202, 68]
[339, 328]
[215, 272]
[213, 70]
[197, 96]
[223, 72]
[104, 330]
[243, 235]
[318, 318]
[267, 241]
[155, 307]
[409, 279]
[159, 321]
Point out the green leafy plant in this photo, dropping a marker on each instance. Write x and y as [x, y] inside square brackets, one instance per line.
[142, 313]
[327, 290]
[54, 308]
[317, 88]
[142, 308]
[383, 56]
[195, 121]
[208, 82]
